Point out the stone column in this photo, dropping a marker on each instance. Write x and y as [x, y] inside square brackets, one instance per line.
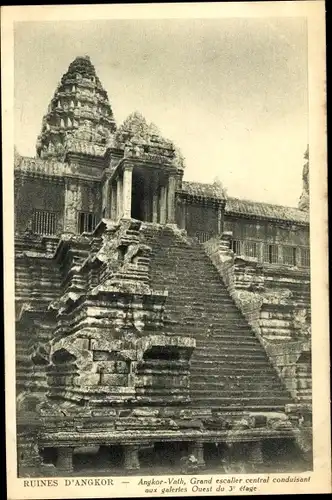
[107, 199]
[119, 202]
[240, 458]
[127, 191]
[65, 459]
[171, 199]
[220, 221]
[280, 252]
[298, 256]
[113, 213]
[131, 459]
[147, 198]
[163, 205]
[183, 214]
[227, 458]
[261, 251]
[197, 449]
[155, 197]
[71, 206]
[255, 454]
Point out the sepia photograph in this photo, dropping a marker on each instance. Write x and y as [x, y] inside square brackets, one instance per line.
[162, 257]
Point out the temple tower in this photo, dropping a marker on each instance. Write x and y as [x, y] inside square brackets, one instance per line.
[79, 116]
[143, 184]
[304, 199]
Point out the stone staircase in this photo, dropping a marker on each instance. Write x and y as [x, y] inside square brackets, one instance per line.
[229, 368]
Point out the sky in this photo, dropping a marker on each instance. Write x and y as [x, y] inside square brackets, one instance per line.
[230, 93]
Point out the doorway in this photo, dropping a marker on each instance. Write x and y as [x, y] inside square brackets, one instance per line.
[140, 202]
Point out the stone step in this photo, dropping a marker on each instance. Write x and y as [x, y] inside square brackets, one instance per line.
[223, 407]
[224, 381]
[196, 302]
[240, 394]
[227, 348]
[182, 279]
[200, 362]
[210, 316]
[304, 392]
[197, 329]
[217, 380]
[194, 318]
[228, 312]
[218, 355]
[178, 264]
[212, 319]
[241, 401]
[236, 337]
[205, 331]
[228, 339]
[179, 300]
[199, 305]
[225, 327]
[214, 369]
[204, 321]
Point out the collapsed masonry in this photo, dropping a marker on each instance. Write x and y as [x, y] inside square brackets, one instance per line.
[155, 318]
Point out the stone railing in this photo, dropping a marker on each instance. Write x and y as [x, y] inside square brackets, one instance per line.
[276, 304]
[203, 236]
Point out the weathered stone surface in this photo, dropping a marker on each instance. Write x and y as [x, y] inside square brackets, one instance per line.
[113, 380]
[276, 304]
[189, 424]
[217, 423]
[125, 334]
[146, 412]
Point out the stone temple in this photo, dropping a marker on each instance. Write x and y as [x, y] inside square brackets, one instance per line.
[155, 318]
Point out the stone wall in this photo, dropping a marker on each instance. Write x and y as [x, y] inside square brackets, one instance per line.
[38, 194]
[108, 344]
[90, 198]
[276, 303]
[197, 218]
[267, 231]
[37, 283]
[107, 372]
[65, 198]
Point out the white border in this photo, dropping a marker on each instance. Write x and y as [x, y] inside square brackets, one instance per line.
[314, 11]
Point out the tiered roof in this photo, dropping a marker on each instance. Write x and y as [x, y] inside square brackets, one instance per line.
[138, 138]
[236, 206]
[203, 190]
[79, 117]
[244, 208]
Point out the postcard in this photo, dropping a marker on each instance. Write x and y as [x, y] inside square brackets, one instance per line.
[165, 250]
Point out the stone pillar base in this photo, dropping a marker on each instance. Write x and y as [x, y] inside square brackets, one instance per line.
[131, 459]
[197, 449]
[255, 455]
[227, 458]
[240, 458]
[65, 459]
[171, 200]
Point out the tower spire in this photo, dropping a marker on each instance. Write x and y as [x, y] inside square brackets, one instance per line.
[79, 116]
